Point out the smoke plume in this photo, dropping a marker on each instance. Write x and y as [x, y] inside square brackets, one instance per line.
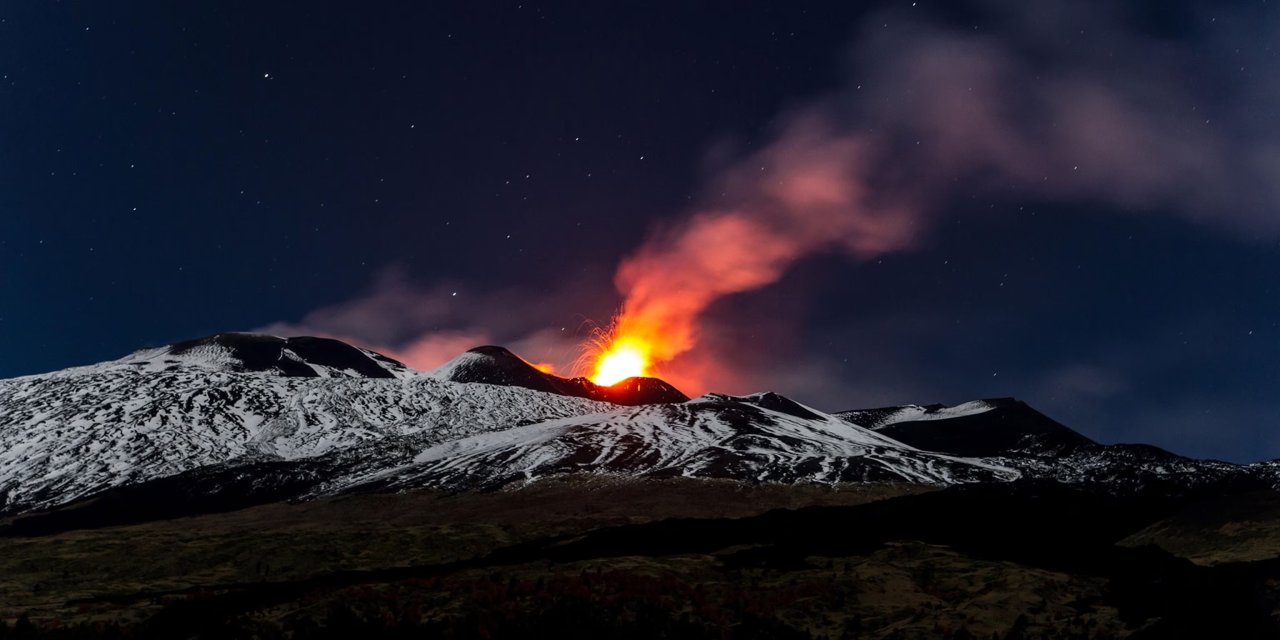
[1062, 101]
[1074, 102]
[424, 327]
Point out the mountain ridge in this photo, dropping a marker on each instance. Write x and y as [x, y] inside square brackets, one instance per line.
[491, 364]
[299, 356]
[337, 419]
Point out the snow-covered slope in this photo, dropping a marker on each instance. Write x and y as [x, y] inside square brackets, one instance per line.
[302, 417]
[305, 357]
[225, 402]
[71, 433]
[712, 436]
[996, 427]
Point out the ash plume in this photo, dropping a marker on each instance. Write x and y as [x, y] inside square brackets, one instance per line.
[1057, 101]
[1068, 102]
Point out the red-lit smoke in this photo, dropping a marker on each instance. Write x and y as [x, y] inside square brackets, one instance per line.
[934, 116]
[804, 193]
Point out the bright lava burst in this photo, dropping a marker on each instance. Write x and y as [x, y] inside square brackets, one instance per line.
[621, 359]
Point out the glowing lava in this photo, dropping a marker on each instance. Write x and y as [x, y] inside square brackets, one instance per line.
[620, 360]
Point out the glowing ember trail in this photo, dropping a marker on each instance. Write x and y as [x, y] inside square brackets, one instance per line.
[619, 360]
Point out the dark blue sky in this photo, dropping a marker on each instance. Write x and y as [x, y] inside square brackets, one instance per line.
[170, 170]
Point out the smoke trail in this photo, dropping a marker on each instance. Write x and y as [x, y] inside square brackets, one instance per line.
[427, 326]
[799, 195]
[1078, 107]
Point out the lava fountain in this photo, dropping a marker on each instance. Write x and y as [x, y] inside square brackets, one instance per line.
[619, 359]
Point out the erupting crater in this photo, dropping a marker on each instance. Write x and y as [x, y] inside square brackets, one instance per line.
[620, 360]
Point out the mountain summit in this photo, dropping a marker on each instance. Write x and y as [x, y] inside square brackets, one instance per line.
[244, 418]
[303, 356]
[995, 427]
[497, 365]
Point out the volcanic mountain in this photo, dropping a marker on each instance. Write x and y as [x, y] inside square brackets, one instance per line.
[242, 418]
[496, 365]
[244, 485]
[304, 357]
[998, 427]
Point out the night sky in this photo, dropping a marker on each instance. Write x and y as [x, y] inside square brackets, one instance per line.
[1071, 203]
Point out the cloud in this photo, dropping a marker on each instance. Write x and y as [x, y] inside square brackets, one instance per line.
[1081, 382]
[425, 326]
[434, 349]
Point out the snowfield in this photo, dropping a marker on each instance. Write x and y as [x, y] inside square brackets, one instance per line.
[345, 419]
[713, 436]
[69, 434]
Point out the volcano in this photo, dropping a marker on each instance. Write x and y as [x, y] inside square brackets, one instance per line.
[327, 418]
[315, 458]
[998, 427]
[497, 365]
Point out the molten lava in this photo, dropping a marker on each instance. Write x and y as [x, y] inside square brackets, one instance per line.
[621, 359]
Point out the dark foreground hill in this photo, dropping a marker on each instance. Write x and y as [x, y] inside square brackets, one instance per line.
[583, 557]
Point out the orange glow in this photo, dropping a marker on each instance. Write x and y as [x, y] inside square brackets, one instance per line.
[544, 367]
[620, 359]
